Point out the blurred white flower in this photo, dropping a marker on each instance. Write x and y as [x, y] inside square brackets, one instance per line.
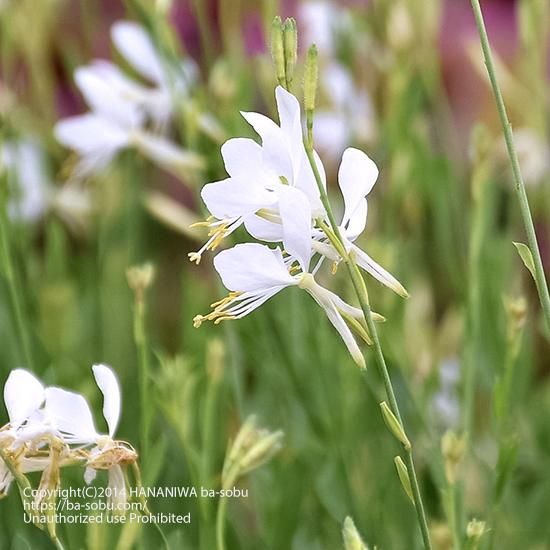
[124, 113]
[445, 402]
[533, 153]
[321, 19]
[346, 116]
[33, 194]
[32, 188]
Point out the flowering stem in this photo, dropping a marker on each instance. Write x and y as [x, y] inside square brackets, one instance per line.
[542, 287]
[362, 295]
[15, 291]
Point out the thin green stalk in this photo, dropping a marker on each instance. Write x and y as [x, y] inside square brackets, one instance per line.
[542, 287]
[14, 289]
[140, 337]
[144, 509]
[362, 295]
[220, 524]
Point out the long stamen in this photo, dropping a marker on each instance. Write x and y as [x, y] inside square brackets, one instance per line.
[219, 230]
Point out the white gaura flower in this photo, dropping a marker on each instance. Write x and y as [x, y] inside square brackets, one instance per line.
[253, 273]
[356, 178]
[71, 415]
[258, 175]
[121, 110]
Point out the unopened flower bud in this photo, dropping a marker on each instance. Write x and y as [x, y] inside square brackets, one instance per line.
[394, 425]
[474, 531]
[140, 278]
[311, 77]
[516, 310]
[290, 39]
[278, 50]
[400, 28]
[404, 478]
[252, 448]
[452, 448]
[352, 539]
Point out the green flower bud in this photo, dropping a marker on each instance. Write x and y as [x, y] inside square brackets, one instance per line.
[394, 425]
[278, 50]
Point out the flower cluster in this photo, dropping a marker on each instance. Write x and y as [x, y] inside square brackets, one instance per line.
[50, 428]
[272, 191]
[125, 113]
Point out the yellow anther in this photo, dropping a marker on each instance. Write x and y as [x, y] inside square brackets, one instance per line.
[197, 320]
[195, 257]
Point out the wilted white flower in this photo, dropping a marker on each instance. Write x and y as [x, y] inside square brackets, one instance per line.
[24, 396]
[71, 415]
[122, 110]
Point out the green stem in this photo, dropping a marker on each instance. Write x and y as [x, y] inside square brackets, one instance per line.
[220, 524]
[15, 292]
[58, 543]
[362, 295]
[140, 337]
[144, 508]
[542, 287]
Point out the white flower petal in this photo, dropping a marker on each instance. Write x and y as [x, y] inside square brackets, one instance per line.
[23, 395]
[295, 212]
[252, 267]
[356, 177]
[108, 384]
[291, 124]
[356, 224]
[242, 158]
[275, 147]
[377, 271]
[263, 229]
[70, 414]
[325, 299]
[232, 198]
[133, 42]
